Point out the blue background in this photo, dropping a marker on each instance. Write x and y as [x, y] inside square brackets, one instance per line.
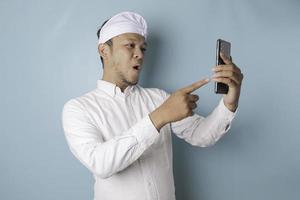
[48, 55]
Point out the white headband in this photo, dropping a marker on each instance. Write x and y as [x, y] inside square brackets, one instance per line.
[124, 22]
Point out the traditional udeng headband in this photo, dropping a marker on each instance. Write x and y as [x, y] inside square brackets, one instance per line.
[124, 22]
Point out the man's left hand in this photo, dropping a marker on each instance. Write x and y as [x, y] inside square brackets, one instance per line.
[232, 76]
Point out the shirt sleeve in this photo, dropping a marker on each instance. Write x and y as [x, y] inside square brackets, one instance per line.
[204, 131]
[104, 158]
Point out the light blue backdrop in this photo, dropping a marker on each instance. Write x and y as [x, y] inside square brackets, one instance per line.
[48, 54]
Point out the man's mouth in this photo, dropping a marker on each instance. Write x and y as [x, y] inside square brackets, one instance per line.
[137, 67]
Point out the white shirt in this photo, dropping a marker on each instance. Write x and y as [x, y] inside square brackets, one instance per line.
[111, 133]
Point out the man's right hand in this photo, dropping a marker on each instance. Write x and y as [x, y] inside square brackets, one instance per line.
[179, 105]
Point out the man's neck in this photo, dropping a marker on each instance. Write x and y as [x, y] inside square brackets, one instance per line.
[122, 86]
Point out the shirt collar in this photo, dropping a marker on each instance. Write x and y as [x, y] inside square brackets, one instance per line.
[114, 90]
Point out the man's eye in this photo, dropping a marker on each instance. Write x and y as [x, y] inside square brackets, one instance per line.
[130, 45]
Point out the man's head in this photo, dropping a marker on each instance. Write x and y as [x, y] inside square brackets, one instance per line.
[122, 44]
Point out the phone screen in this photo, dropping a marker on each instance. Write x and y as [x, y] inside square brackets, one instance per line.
[224, 47]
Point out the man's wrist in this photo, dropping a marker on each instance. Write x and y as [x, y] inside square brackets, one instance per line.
[231, 107]
[157, 119]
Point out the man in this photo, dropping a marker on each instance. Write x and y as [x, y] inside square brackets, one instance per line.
[122, 132]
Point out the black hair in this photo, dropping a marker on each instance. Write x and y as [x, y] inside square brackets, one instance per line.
[109, 42]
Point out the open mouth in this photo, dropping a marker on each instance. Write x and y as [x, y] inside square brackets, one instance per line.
[137, 67]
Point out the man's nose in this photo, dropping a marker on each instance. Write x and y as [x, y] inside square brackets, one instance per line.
[138, 53]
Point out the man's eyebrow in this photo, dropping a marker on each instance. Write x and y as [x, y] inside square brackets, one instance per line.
[133, 39]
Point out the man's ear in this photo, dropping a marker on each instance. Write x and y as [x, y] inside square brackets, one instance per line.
[103, 50]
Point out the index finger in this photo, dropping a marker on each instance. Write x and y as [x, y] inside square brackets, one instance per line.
[231, 67]
[195, 86]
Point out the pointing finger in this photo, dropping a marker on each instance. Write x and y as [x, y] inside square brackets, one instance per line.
[195, 86]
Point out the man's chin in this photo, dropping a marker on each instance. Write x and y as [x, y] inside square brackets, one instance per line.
[132, 82]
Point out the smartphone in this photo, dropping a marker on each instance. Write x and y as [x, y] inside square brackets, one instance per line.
[224, 47]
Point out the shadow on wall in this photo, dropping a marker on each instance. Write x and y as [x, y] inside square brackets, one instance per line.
[151, 66]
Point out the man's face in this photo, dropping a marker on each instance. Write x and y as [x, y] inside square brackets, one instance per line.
[126, 57]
